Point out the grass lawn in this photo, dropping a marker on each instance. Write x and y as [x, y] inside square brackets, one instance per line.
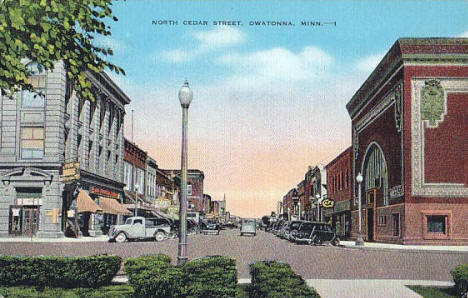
[107, 291]
[434, 292]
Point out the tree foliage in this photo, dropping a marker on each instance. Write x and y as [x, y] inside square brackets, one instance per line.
[46, 31]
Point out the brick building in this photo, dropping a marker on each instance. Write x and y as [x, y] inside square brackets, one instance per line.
[195, 180]
[410, 142]
[339, 190]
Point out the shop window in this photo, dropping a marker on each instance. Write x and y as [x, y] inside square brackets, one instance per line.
[32, 142]
[437, 224]
[396, 224]
[382, 220]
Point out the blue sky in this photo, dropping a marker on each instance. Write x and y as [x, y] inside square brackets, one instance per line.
[268, 101]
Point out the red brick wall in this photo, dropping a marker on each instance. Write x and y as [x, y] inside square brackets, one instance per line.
[456, 207]
[445, 155]
[340, 166]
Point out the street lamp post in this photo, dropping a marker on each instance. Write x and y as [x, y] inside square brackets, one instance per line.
[136, 201]
[185, 98]
[318, 207]
[359, 240]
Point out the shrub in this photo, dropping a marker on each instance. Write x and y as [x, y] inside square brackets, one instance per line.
[154, 276]
[460, 277]
[65, 272]
[275, 279]
[213, 276]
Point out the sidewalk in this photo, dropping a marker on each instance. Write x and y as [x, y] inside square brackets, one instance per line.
[383, 246]
[359, 288]
[102, 238]
[362, 288]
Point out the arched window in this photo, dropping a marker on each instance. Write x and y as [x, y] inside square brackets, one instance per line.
[375, 171]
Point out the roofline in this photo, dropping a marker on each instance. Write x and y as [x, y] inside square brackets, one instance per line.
[338, 157]
[381, 73]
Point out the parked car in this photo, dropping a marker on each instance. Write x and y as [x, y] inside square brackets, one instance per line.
[277, 226]
[292, 230]
[315, 233]
[248, 226]
[138, 227]
[210, 228]
[283, 231]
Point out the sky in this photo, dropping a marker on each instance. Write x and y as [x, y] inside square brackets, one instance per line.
[268, 100]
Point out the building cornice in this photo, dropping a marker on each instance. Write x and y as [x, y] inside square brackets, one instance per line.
[409, 51]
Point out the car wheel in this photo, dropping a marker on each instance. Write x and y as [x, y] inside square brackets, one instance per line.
[121, 237]
[335, 241]
[316, 240]
[159, 236]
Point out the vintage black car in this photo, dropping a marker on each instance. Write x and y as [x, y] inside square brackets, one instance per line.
[292, 229]
[210, 228]
[315, 233]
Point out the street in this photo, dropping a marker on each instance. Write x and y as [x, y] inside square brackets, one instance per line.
[311, 262]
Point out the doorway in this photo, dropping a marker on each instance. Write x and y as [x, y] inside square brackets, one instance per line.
[30, 221]
[24, 220]
[370, 224]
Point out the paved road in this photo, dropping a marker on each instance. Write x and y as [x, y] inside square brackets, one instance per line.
[312, 262]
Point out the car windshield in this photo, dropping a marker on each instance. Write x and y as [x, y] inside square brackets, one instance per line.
[295, 224]
[128, 221]
[307, 226]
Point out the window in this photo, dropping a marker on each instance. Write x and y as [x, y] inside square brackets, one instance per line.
[38, 81]
[127, 175]
[436, 224]
[382, 220]
[189, 189]
[396, 224]
[32, 142]
[138, 221]
[33, 99]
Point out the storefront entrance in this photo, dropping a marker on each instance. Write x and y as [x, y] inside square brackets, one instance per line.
[24, 220]
[370, 214]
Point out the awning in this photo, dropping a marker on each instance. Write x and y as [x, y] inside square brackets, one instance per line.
[84, 203]
[111, 206]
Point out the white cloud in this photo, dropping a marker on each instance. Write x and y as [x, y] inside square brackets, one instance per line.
[369, 63]
[277, 65]
[207, 41]
[464, 34]
[219, 38]
[109, 42]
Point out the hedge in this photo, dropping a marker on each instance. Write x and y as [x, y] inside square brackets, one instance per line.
[460, 277]
[64, 272]
[154, 276]
[213, 276]
[275, 279]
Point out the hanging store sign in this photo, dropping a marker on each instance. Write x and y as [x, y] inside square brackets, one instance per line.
[396, 192]
[70, 172]
[328, 203]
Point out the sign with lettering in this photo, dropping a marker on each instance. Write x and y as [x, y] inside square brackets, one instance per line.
[396, 192]
[30, 202]
[328, 203]
[104, 192]
[70, 172]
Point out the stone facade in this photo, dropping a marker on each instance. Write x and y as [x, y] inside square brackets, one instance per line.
[410, 135]
[40, 133]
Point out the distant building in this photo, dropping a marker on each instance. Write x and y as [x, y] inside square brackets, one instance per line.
[195, 180]
[339, 190]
